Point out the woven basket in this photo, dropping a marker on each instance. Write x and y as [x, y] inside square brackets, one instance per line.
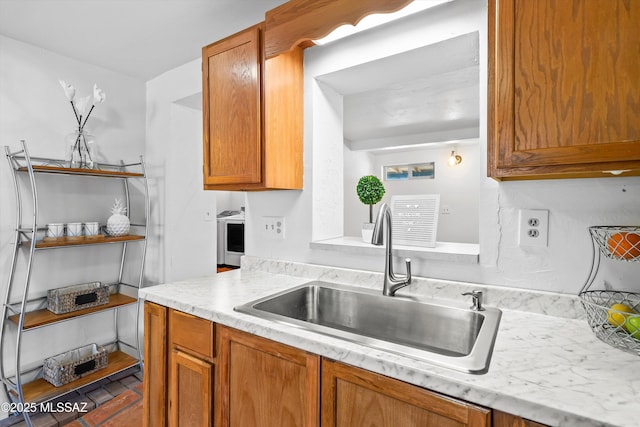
[74, 364]
[77, 297]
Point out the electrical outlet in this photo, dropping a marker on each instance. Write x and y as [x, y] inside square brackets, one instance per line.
[533, 227]
[273, 227]
[445, 210]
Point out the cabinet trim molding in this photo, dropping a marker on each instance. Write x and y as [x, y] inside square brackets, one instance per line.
[298, 22]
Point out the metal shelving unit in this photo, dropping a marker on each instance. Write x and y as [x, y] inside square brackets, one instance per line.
[28, 238]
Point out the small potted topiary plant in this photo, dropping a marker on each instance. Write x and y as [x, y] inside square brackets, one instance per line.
[370, 191]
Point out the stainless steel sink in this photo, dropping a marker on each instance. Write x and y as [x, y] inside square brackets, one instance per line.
[445, 335]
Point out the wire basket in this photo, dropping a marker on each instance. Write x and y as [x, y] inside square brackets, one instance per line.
[617, 242]
[610, 325]
[614, 325]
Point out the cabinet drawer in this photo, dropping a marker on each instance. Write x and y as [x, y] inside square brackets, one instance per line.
[191, 333]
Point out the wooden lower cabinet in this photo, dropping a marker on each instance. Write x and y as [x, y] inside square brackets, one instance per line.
[190, 391]
[266, 383]
[191, 370]
[179, 369]
[501, 419]
[355, 397]
[155, 366]
[198, 373]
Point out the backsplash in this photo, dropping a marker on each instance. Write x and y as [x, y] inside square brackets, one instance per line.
[547, 303]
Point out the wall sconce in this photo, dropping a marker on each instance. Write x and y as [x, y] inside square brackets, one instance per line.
[454, 159]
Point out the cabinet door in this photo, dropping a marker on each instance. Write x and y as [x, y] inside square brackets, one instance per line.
[231, 72]
[266, 383]
[355, 397]
[155, 365]
[191, 370]
[501, 419]
[190, 391]
[564, 91]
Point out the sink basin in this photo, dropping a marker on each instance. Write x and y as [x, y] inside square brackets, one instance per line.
[446, 335]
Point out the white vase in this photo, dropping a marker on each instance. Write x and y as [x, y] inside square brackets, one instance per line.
[367, 231]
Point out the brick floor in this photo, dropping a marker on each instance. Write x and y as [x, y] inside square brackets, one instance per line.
[113, 402]
[116, 405]
[100, 396]
[129, 417]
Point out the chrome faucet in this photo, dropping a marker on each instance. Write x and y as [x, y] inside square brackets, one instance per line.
[391, 282]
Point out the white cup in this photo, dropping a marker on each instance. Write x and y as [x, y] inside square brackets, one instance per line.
[55, 230]
[74, 229]
[91, 228]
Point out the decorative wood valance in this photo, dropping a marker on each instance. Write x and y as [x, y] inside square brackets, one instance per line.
[297, 22]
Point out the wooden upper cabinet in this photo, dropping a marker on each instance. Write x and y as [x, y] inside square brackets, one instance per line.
[252, 115]
[231, 71]
[297, 22]
[564, 90]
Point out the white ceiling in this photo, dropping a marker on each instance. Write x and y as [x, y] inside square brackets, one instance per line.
[139, 38]
[429, 94]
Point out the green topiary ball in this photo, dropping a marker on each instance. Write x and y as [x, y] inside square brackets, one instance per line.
[370, 190]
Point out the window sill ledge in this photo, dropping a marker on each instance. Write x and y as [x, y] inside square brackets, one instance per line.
[467, 253]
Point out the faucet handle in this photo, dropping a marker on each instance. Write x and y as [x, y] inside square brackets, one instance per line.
[407, 262]
[476, 297]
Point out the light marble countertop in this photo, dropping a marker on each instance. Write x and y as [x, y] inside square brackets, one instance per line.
[545, 368]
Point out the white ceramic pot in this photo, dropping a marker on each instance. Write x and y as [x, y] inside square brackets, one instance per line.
[367, 231]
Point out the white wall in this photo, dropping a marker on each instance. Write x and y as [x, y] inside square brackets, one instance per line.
[357, 164]
[574, 205]
[33, 107]
[458, 187]
[182, 242]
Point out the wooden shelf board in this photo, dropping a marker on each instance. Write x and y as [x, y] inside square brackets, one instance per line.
[86, 241]
[79, 171]
[42, 391]
[34, 319]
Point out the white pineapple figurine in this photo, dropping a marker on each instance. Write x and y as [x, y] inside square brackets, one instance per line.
[118, 223]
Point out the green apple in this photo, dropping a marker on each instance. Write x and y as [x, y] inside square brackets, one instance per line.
[632, 324]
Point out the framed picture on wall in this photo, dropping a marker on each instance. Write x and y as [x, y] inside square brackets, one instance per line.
[409, 171]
